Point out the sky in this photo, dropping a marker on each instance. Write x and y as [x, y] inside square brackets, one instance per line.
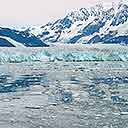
[36, 12]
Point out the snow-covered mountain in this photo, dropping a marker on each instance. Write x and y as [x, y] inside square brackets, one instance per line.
[98, 24]
[101, 23]
[13, 38]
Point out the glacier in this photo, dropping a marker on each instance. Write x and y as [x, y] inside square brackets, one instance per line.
[55, 54]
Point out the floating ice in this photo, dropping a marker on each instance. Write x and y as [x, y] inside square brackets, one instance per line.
[21, 83]
[67, 97]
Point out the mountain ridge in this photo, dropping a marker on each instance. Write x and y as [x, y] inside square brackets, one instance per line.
[86, 25]
[97, 24]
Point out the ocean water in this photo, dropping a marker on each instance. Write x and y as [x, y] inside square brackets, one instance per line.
[64, 94]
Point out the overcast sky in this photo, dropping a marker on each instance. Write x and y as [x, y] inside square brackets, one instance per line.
[35, 12]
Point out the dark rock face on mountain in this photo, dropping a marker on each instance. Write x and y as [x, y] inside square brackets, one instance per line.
[22, 37]
[5, 43]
